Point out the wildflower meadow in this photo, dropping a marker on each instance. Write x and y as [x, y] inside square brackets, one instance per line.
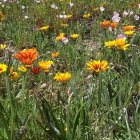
[69, 70]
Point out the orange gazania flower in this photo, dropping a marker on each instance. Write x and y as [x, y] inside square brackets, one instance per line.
[113, 25]
[121, 44]
[55, 54]
[2, 17]
[13, 75]
[128, 28]
[95, 9]
[105, 23]
[27, 56]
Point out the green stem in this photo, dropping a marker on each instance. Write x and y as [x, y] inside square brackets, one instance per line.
[12, 117]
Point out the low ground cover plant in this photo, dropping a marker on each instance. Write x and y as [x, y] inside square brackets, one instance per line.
[69, 70]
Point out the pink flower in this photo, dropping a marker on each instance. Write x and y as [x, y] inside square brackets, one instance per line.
[116, 17]
[65, 40]
[71, 4]
[37, 1]
[138, 6]
[54, 6]
[102, 9]
[136, 17]
[131, 13]
[116, 13]
[26, 17]
[125, 13]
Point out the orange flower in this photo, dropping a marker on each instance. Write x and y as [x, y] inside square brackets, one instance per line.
[105, 23]
[13, 75]
[128, 28]
[113, 25]
[95, 9]
[2, 17]
[121, 44]
[27, 56]
[55, 54]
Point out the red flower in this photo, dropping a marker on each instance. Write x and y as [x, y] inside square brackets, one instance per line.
[35, 70]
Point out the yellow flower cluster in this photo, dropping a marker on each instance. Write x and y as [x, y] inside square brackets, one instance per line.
[120, 43]
[45, 65]
[128, 30]
[13, 75]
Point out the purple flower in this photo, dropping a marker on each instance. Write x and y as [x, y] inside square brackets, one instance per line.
[121, 36]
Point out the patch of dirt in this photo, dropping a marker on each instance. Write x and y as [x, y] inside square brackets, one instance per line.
[91, 44]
